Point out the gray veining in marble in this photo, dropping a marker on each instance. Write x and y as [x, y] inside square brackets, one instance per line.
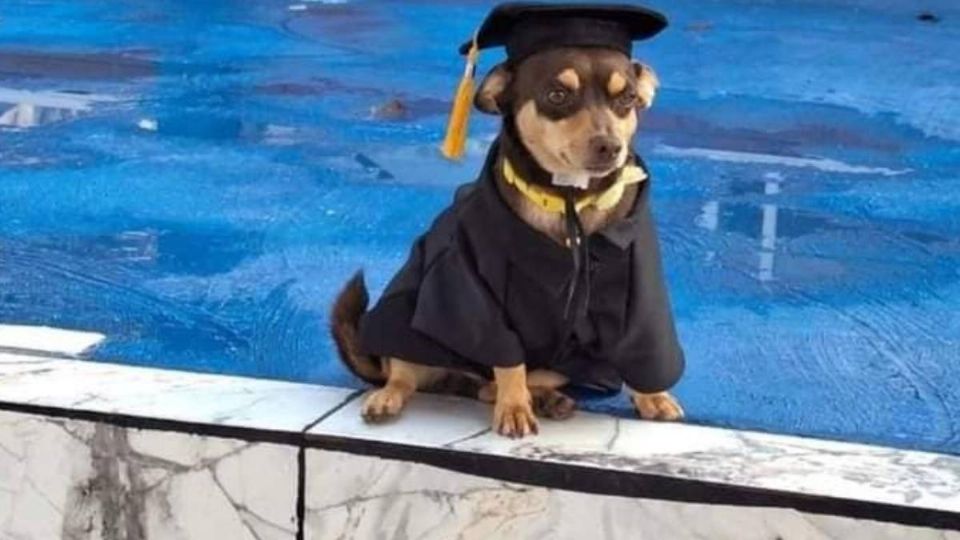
[80, 480]
[785, 463]
[377, 498]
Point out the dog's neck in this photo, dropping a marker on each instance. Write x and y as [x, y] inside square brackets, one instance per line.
[551, 224]
[511, 148]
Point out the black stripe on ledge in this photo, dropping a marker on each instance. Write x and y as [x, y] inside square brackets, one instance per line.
[565, 476]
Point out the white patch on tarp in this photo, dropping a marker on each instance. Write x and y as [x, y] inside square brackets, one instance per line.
[732, 156]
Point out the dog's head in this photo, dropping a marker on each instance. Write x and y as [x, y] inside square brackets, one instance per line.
[574, 109]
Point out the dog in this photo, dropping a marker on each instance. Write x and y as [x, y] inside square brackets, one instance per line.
[567, 112]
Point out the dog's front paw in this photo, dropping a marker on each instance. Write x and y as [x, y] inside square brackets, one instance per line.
[383, 405]
[659, 406]
[514, 418]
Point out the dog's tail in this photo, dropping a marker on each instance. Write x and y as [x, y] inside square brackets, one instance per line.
[348, 308]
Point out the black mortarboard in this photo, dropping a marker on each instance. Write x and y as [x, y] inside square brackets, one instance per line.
[525, 28]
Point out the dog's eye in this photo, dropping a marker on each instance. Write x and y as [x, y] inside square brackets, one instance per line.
[557, 96]
[626, 99]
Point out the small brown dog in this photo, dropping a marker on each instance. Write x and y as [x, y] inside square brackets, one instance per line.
[545, 272]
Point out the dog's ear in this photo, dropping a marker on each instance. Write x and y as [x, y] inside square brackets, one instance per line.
[492, 90]
[647, 84]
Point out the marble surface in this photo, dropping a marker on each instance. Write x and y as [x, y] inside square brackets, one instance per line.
[377, 498]
[785, 463]
[80, 480]
[428, 420]
[46, 339]
[172, 395]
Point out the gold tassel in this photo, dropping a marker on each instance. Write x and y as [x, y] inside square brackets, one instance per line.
[455, 142]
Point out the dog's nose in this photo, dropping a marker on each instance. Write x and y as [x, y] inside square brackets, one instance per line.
[605, 148]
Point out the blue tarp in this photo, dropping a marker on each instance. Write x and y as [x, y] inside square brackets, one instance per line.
[195, 180]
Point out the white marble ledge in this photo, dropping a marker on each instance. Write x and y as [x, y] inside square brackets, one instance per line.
[48, 340]
[785, 464]
[723, 456]
[164, 394]
[381, 498]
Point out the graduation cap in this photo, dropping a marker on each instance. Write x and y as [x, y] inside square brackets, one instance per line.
[526, 28]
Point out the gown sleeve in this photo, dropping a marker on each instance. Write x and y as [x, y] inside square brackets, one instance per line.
[456, 308]
[649, 358]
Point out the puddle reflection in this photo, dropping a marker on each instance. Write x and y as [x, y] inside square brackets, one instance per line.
[710, 219]
[25, 109]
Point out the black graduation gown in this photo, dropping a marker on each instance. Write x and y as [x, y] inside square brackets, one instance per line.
[482, 289]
